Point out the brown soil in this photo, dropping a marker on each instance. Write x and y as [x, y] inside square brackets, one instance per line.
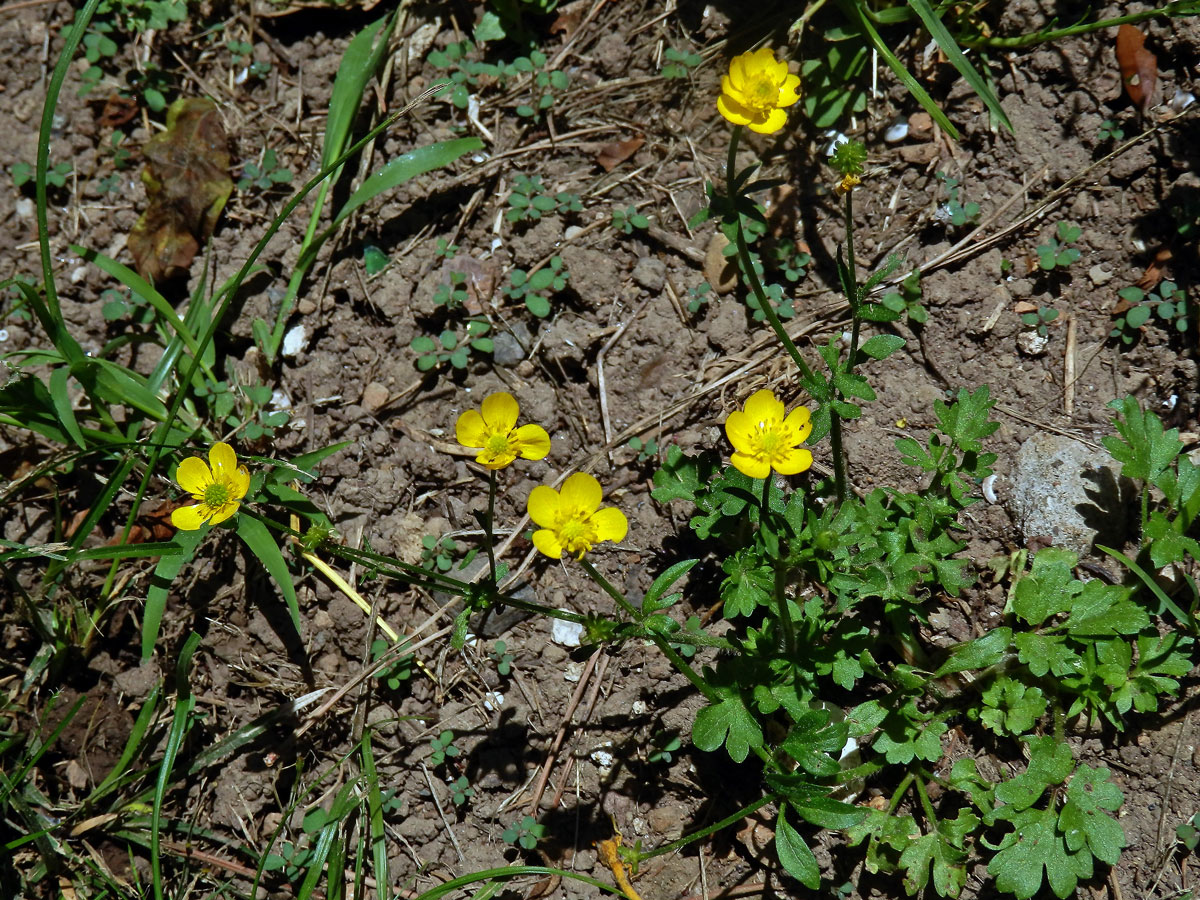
[619, 356]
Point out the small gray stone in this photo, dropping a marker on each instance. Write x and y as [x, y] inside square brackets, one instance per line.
[1065, 491]
[506, 349]
[650, 273]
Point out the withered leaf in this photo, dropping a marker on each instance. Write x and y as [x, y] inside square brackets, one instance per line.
[1156, 271]
[612, 155]
[118, 111]
[187, 181]
[1139, 67]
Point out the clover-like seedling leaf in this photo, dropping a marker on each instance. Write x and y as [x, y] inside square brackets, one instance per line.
[748, 584]
[1011, 707]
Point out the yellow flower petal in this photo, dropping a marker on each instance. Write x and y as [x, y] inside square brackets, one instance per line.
[470, 430]
[775, 120]
[732, 110]
[611, 524]
[223, 512]
[543, 506]
[188, 518]
[548, 543]
[793, 461]
[240, 482]
[737, 74]
[751, 466]
[500, 412]
[763, 406]
[800, 421]
[789, 91]
[581, 494]
[223, 461]
[193, 475]
[739, 428]
[533, 441]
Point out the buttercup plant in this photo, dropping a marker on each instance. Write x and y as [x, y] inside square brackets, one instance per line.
[217, 487]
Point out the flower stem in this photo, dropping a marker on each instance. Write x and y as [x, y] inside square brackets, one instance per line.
[851, 287]
[487, 528]
[659, 641]
[785, 617]
[708, 829]
[747, 261]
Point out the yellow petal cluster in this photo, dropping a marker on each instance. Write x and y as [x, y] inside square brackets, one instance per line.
[492, 431]
[571, 520]
[756, 90]
[217, 487]
[764, 438]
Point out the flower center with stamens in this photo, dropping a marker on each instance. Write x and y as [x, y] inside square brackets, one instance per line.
[497, 444]
[762, 93]
[216, 495]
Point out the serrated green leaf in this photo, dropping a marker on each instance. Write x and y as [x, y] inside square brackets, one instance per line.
[977, 654]
[1144, 449]
[728, 722]
[749, 583]
[1084, 817]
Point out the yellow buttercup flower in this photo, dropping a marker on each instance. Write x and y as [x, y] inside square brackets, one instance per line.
[764, 438]
[491, 430]
[217, 490]
[756, 90]
[571, 520]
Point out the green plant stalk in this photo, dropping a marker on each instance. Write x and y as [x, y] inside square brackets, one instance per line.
[488, 540]
[1183, 8]
[785, 616]
[926, 806]
[639, 858]
[747, 262]
[659, 641]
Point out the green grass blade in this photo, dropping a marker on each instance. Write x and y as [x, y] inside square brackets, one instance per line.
[54, 326]
[160, 585]
[359, 62]
[72, 37]
[131, 551]
[856, 15]
[132, 745]
[119, 386]
[1151, 585]
[409, 165]
[184, 704]
[970, 74]
[375, 819]
[18, 777]
[60, 395]
[262, 544]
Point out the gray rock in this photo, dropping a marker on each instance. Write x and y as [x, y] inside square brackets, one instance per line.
[1064, 491]
[650, 273]
[506, 349]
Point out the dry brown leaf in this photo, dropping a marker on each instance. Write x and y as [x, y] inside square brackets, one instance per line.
[117, 111]
[1139, 67]
[1156, 271]
[612, 155]
[569, 17]
[187, 181]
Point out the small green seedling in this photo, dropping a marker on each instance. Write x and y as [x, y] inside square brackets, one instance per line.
[374, 260]
[119, 304]
[1169, 303]
[678, 64]
[1010, 707]
[461, 790]
[502, 658]
[698, 296]
[451, 347]
[907, 301]
[264, 174]
[1039, 320]
[529, 200]
[437, 553]
[443, 748]
[789, 260]
[532, 289]
[525, 833]
[1056, 254]
[397, 672]
[626, 220]
[784, 306]
[1188, 833]
[545, 83]
[645, 450]
[955, 211]
[97, 45]
[664, 745]
[454, 294]
[444, 249]
[56, 176]
[1110, 131]
[241, 53]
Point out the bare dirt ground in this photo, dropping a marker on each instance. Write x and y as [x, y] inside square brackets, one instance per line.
[620, 355]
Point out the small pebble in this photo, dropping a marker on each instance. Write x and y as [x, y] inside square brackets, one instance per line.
[374, 396]
[1099, 275]
[896, 133]
[492, 701]
[566, 634]
[603, 757]
[1182, 100]
[573, 672]
[836, 140]
[1031, 343]
[78, 274]
[650, 273]
[571, 232]
[306, 307]
[25, 208]
[506, 349]
[294, 341]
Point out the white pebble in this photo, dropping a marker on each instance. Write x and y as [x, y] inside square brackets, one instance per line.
[3, 335]
[492, 701]
[24, 208]
[573, 672]
[988, 487]
[602, 757]
[1169, 403]
[896, 133]
[78, 274]
[294, 341]
[638, 707]
[1099, 275]
[1182, 100]
[836, 140]
[566, 633]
